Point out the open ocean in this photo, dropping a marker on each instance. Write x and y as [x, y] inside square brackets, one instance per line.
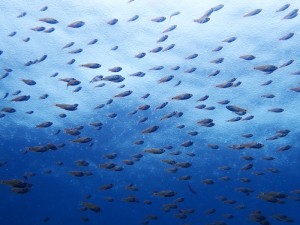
[118, 112]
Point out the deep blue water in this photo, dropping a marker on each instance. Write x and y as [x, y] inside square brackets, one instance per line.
[56, 196]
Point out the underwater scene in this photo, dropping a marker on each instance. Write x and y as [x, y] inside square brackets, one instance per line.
[137, 112]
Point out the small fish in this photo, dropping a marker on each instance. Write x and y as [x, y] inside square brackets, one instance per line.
[266, 68]
[155, 50]
[94, 41]
[165, 79]
[38, 28]
[123, 94]
[44, 8]
[163, 38]
[174, 14]
[253, 13]
[134, 18]
[286, 37]
[217, 49]
[91, 65]
[157, 68]
[229, 40]
[21, 98]
[159, 19]
[267, 83]
[218, 7]
[202, 19]
[69, 45]
[44, 125]
[286, 64]
[282, 8]
[182, 96]
[22, 14]
[140, 55]
[168, 47]
[29, 82]
[291, 15]
[276, 110]
[71, 61]
[190, 70]
[247, 57]
[150, 130]
[76, 24]
[67, 107]
[76, 51]
[113, 21]
[155, 150]
[217, 61]
[49, 20]
[236, 109]
[114, 78]
[193, 56]
[82, 140]
[173, 27]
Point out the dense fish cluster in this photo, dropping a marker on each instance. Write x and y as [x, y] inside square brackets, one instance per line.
[149, 112]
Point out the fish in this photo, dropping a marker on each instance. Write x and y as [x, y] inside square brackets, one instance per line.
[67, 107]
[21, 98]
[286, 37]
[247, 57]
[282, 8]
[123, 94]
[155, 150]
[253, 13]
[91, 65]
[291, 14]
[169, 29]
[268, 69]
[175, 14]
[159, 19]
[112, 21]
[230, 39]
[182, 96]
[76, 24]
[134, 18]
[29, 82]
[49, 20]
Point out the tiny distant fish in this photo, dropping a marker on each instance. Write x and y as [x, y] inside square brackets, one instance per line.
[217, 61]
[219, 48]
[157, 68]
[115, 69]
[190, 70]
[77, 89]
[76, 51]
[229, 40]
[266, 68]
[253, 13]
[123, 94]
[163, 105]
[42, 58]
[296, 89]
[50, 30]
[114, 48]
[155, 150]
[21, 98]
[145, 96]
[247, 57]
[192, 189]
[286, 37]
[17, 92]
[29, 82]
[71, 61]
[44, 96]
[224, 85]
[234, 119]
[182, 96]
[214, 73]
[5, 96]
[163, 38]
[76, 24]
[113, 21]
[174, 14]
[67, 107]
[91, 65]
[44, 125]
[22, 14]
[94, 41]
[282, 8]
[193, 56]
[138, 74]
[175, 68]
[150, 130]
[155, 50]
[287, 63]
[173, 27]
[134, 18]
[49, 20]
[276, 110]
[169, 47]
[267, 83]
[236, 109]
[44, 8]
[248, 118]
[12, 34]
[292, 14]
[165, 79]
[202, 19]
[140, 55]
[69, 45]
[38, 28]
[114, 78]
[159, 19]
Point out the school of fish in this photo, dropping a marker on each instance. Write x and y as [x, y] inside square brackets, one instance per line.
[186, 117]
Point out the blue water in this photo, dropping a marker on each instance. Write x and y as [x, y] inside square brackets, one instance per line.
[56, 197]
